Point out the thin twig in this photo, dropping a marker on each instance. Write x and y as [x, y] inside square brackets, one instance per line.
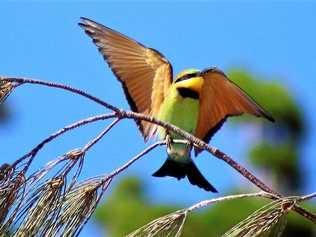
[74, 153]
[134, 159]
[100, 136]
[35, 150]
[307, 197]
[43, 171]
[206, 203]
[22, 80]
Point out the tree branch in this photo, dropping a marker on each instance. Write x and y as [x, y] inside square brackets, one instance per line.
[21, 81]
[77, 124]
[134, 159]
[100, 136]
[120, 114]
[307, 197]
[209, 202]
[206, 203]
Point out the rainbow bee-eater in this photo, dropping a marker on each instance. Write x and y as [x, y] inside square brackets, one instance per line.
[198, 102]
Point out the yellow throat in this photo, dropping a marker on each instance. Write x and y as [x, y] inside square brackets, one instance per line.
[187, 79]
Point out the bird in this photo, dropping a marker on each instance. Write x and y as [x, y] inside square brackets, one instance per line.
[196, 101]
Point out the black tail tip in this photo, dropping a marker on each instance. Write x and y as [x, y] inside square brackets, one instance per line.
[170, 168]
[180, 170]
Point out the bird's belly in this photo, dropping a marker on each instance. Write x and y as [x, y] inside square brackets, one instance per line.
[181, 112]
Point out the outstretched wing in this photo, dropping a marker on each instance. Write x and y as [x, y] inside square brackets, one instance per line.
[145, 73]
[219, 99]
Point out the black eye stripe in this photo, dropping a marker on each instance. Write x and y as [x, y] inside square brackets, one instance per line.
[187, 93]
[188, 76]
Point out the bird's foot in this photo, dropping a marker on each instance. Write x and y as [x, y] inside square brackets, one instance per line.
[188, 144]
[169, 141]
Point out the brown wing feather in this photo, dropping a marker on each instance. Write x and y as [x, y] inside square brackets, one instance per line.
[219, 99]
[144, 73]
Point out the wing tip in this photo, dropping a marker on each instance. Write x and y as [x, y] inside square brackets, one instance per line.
[86, 21]
[90, 26]
[269, 117]
[266, 115]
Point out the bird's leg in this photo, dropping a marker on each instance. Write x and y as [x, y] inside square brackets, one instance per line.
[168, 142]
[188, 144]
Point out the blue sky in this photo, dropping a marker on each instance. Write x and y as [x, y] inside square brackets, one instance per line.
[43, 41]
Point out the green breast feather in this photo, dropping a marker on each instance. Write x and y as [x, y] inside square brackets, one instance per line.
[179, 111]
[183, 113]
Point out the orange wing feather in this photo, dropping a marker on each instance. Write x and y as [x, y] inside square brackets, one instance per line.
[145, 74]
[219, 99]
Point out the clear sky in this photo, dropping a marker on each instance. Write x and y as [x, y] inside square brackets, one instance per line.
[43, 41]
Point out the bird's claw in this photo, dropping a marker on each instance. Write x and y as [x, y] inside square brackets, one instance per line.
[168, 141]
[188, 144]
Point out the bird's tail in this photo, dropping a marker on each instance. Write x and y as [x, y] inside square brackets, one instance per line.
[181, 169]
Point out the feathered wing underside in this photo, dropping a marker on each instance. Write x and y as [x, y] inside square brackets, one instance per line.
[145, 74]
[219, 99]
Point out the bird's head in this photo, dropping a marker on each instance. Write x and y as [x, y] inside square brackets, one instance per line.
[189, 79]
